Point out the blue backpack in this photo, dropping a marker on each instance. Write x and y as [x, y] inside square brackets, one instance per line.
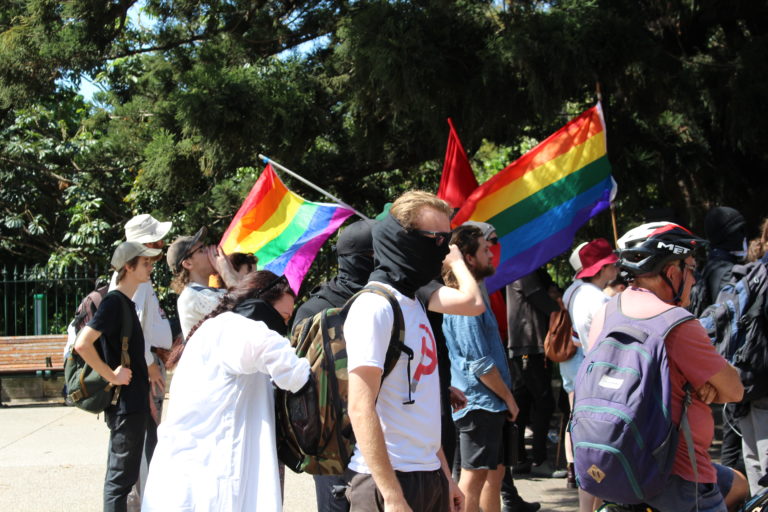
[624, 438]
[736, 324]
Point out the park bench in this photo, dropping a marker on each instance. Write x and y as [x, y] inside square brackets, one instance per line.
[41, 356]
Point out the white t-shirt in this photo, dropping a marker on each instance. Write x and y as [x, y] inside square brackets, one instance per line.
[154, 323]
[216, 447]
[411, 432]
[586, 301]
[194, 302]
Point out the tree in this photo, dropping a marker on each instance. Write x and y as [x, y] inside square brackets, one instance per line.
[355, 95]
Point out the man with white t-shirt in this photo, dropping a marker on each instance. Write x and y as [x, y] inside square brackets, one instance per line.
[584, 298]
[398, 464]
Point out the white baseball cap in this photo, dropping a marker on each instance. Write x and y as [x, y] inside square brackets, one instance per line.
[575, 260]
[145, 228]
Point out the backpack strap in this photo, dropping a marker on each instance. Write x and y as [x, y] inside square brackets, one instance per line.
[397, 339]
[673, 317]
[126, 330]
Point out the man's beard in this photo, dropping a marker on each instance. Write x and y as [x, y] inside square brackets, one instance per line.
[483, 272]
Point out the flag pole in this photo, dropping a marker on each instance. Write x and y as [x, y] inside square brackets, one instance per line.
[268, 160]
[599, 94]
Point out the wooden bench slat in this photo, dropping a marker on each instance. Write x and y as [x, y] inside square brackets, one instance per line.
[25, 354]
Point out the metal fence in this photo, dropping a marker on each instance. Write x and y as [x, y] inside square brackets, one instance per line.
[36, 300]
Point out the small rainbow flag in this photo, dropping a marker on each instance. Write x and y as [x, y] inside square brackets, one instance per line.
[538, 202]
[281, 228]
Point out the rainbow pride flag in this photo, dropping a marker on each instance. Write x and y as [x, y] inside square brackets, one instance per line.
[281, 228]
[538, 202]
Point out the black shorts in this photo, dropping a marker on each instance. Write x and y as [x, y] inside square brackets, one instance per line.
[480, 439]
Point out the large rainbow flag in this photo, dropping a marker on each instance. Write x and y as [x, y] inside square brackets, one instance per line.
[281, 228]
[538, 202]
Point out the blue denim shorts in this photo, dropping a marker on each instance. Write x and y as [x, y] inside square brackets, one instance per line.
[679, 496]
[569, 369]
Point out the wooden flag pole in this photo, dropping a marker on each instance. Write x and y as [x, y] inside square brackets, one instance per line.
[268, 160]
[613, 221]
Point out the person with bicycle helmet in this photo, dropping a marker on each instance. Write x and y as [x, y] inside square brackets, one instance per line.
[658, 259]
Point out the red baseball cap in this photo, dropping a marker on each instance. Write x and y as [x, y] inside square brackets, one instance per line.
[594, 256]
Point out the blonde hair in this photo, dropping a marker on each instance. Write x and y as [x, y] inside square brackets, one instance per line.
[408, 206]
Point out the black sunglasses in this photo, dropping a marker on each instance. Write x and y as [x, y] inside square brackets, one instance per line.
[440, 237]
[272, 284]
[192, 253]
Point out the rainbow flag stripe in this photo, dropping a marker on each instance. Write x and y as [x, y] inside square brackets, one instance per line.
[281, 228]
[538, 202]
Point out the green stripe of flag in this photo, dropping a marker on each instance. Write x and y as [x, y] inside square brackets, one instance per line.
[278, 245]
[557, 193]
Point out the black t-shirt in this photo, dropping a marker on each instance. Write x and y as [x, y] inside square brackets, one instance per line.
[423, 294]
[108, 320]
[313, 305]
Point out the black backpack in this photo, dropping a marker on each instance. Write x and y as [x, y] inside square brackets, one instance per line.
[716, 274]
[737, 322]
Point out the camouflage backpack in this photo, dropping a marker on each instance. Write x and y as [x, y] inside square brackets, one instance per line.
[314, 433]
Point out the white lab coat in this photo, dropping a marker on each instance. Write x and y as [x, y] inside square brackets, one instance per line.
[216, 447]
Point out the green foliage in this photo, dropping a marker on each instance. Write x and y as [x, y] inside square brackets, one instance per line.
[193, 92]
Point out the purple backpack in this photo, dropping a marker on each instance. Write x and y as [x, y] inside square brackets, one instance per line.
[624, 439]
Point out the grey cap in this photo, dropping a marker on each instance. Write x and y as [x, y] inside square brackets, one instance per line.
[486, 228]
[126, 251]
[178, 251]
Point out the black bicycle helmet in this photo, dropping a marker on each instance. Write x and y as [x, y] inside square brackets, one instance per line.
[647, 248]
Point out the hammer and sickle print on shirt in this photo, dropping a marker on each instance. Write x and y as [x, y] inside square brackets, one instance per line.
[428, 360]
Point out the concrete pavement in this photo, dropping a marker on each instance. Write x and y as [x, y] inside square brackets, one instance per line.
[53, 458]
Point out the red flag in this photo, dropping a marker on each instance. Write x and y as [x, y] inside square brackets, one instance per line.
[458, 180]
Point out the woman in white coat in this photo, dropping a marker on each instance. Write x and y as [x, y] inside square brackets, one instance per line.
[216, 447]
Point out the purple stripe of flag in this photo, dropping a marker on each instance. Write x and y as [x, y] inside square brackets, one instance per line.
[295, 262]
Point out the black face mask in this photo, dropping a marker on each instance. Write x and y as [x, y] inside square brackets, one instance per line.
[354, 270]
[257, 309]
[404, 259]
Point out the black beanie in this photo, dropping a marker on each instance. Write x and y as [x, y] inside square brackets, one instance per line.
[726, 228]
[356, 238]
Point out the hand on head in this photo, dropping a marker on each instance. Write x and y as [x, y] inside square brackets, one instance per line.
[454, 255]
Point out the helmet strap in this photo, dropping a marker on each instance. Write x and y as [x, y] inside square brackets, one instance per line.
[678, 294]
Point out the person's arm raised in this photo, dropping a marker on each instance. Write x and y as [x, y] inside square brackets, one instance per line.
[221, 264]
[364, 383]
[467, 299]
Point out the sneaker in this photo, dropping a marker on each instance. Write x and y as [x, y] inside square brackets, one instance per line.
[570, 479]
[545, 470]
[522, 506]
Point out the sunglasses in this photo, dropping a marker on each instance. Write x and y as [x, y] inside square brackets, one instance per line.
[272, 284]
[440, 237]
[192, 253]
